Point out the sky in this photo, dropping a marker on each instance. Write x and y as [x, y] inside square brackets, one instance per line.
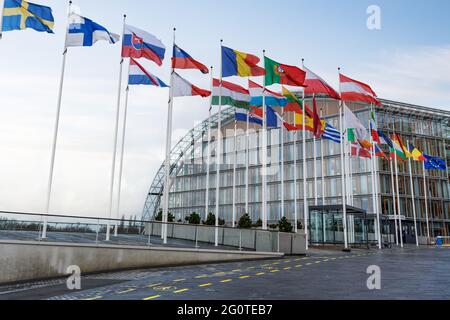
[407, 60]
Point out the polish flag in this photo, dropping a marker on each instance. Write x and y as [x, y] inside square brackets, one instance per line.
[182, 88]
[352, 90]
[316, 85]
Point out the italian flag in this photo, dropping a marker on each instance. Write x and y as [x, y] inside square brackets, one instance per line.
[355, 129]
[353, 90]
[232, 95]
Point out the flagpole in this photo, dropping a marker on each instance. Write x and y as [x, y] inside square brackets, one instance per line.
[56, 129]
[119, 183]
[168, 150]
[234, 175]
[219, 152]
[282, 166]
[394, 196]
[316, 198]
[376, 176]
[425, 190]
[247, 160]
[295, 180]
[413, 199]
[305, 170]
[264, 157]
[208, 164]
[344, 203]
[398, 195]
[374, 188]
[322, 161]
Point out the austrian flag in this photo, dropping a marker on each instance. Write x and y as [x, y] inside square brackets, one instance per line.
[353, 90]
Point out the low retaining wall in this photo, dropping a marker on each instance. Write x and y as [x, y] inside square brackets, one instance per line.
[22, 261]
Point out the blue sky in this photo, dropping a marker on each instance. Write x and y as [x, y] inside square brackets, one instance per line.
[407, 60]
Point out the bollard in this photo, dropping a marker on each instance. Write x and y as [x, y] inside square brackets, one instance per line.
[149, 243]
[240, 240]
[98, 229]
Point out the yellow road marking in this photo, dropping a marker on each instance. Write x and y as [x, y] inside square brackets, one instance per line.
[226, 280]
[94, 298]
[181, 290]
[275, 263]
[287, 268]
[287, 261]
[260, 273]
[326, 260]
[299, 266]
[273, 271]
[236, 270]
[201, 277]
[152, 298]
[218, 273]
[179, 280]
[317, 262]
[205, 285]
[244, 277]
[126, 291]
[154, 285]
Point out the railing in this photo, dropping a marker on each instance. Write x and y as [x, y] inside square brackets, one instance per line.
[74, 229]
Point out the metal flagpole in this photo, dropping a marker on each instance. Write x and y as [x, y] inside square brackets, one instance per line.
[398, 197]
[219, 152]
[234, 175]
[56, 130]
[377, 191]
[413, 199]
[119, 184]
[374, 188]
[168, 149]
[295, 182]
[208, 165]
[247, 160]
[425, 190]
[322, 161]
[394, 197]
[264, 158]
[282, 166]
[305, 173]
[316, 198]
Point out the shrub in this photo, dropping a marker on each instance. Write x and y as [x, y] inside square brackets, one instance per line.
[194, 218]
[170, 217]
[245, 222]
[273, 226]
[299, 225]
[210, 220]
[258, 224]
[285, 225]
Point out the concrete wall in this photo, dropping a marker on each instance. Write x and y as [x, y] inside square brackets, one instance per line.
[21, 261]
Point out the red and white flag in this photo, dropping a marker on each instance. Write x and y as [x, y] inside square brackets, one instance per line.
[353, 90]
[316, 85]
[182, 88]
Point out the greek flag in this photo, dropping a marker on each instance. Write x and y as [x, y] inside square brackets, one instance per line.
[332, 134]
[83, 32]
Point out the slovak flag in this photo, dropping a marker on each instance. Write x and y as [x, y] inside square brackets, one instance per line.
[141, 44]
[138, 75]
[182, 88]
[182, 60]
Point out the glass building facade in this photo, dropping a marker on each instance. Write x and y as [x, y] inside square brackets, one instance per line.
[428, 129]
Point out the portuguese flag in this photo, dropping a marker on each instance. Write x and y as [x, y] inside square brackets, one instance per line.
[283, 74]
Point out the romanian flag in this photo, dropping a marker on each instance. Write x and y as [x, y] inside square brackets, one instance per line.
[20, 15]
[235, 63]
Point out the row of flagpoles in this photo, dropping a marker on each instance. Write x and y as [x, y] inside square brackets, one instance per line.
[253, 105]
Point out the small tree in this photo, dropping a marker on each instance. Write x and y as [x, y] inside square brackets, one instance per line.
[284, 225]
[245, 222]
[210, 220]
[194, 218]
[170, 216]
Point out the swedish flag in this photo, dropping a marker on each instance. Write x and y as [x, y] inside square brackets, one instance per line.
[19, 15]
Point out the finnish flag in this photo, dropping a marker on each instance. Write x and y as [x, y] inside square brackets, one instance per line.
[83, 32]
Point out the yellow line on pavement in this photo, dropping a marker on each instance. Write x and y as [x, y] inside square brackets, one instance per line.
[273, 271]
[154, 285]
[94, 298]
[126, 291]
[201, 277]
[287, 268]
[226, 280]
[179, 280]
[181, 291]
[244, 277]
[260, 273]
[152, 298]
[236, 270]
[205, 285]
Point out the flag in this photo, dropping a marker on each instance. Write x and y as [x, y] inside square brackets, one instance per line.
[355, 129]
[294, 104]
[374, 128]
[83, 32]
[235, 63]
[360, 151]
[316, 85]
[20, 15]
[232, 94]
[380, 153]
[415, 153]
[434, 163]
[138, 75]
[298, 124]
[182, 60]
[273, 119]
[331, 133]
[283, 74]
[318, 124]
[398, 148]
[141, 44]
[182, 88]
[241, 116]
[352, 90]
[384, 139]
[273, 99]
